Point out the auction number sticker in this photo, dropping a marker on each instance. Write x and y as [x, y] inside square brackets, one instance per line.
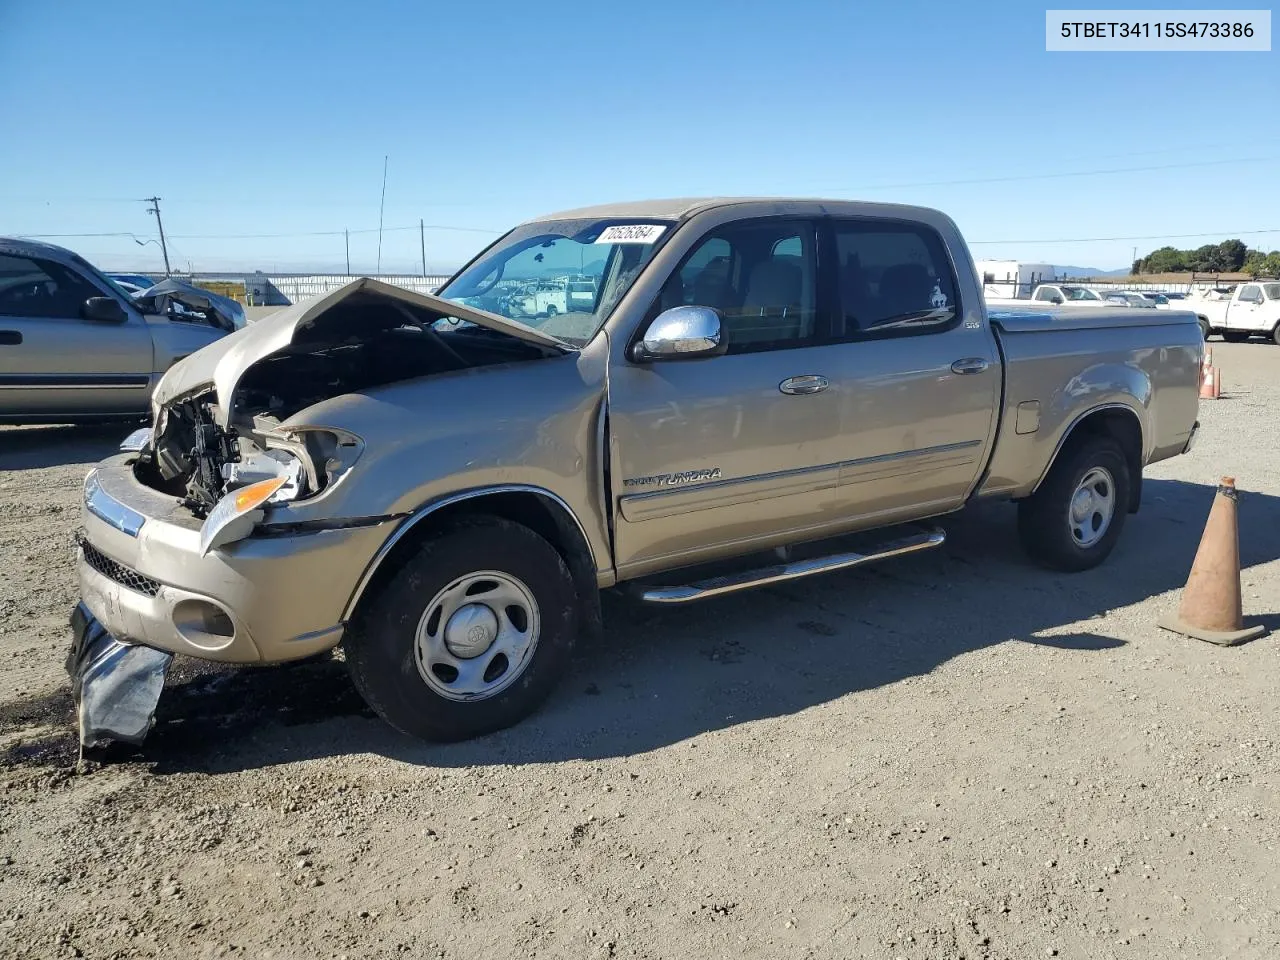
[632, 233]
[1156, 30]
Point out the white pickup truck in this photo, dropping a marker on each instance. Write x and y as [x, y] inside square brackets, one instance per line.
[1252, 310]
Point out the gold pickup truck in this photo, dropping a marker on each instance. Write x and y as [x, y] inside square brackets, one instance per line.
[444, 488]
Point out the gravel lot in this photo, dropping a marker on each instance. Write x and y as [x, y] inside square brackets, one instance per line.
[952, 755]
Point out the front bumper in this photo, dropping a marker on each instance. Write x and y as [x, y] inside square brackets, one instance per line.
[116, 686]
[259, 600]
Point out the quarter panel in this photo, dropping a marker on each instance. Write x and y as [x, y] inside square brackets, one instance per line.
[1072, 369]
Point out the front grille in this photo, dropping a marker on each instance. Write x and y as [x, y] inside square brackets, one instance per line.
[118, 571]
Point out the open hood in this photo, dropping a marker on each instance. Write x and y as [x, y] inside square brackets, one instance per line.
[172, 296]
[223, 362]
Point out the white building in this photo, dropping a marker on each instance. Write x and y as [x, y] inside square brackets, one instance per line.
[1012, 279]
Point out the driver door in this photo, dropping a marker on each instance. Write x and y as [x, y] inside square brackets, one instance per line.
[53, 361]
[722, 455]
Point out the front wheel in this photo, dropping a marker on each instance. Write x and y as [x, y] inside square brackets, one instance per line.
[471, 634]
[1073, 521]
[1275, 335]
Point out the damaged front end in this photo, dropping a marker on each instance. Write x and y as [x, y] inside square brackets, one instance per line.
[230, 438]
[228, 476]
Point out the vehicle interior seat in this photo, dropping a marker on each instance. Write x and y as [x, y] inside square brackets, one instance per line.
[856, 302]
[771, 308]
[904, 288]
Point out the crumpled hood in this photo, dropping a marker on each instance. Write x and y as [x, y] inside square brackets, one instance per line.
[223, 362]
[226, 313]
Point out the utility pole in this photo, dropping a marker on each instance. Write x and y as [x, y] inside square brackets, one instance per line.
[422, 239]
[346, 239]
[155, 208]
[381, 204]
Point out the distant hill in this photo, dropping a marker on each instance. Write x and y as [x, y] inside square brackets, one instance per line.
[1089, 271]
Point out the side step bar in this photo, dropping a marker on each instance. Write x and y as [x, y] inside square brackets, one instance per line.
[780, 573]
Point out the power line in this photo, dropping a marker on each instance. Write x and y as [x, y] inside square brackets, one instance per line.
[1054, 176]
[261, 236]
[1154, 236]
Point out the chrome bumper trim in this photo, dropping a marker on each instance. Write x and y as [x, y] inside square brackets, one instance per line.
[110, 510]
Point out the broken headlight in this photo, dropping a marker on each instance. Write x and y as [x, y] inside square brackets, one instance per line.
[294, 464]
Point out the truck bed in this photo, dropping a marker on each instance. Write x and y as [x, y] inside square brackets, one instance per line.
[1146, 367]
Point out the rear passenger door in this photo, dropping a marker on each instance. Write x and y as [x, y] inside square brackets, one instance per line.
[53, 361]
[919, 379]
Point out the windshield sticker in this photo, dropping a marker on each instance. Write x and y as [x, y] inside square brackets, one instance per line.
[939, 299]
[631, 233]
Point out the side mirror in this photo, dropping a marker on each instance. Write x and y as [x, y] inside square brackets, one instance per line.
[681, 333]
[103, 310]
[1056, 299]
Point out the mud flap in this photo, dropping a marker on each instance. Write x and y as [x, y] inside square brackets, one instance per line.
[116, 685]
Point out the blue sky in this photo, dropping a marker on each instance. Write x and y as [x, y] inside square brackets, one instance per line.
[273, 118]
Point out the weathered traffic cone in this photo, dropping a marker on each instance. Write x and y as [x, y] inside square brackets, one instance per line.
[1211, 607]
[1210, 384]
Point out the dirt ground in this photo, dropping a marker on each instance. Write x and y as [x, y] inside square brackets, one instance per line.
[952, 755]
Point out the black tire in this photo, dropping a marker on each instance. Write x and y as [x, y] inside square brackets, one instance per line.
[1235, 336]
[1205, 330]
[1044, 518]
[551, 310]
[382, 644]
[1275, 335]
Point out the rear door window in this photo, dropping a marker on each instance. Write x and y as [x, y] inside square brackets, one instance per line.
[893, 278]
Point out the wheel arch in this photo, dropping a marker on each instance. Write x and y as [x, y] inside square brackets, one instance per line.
[1114, 420]
[542, 511]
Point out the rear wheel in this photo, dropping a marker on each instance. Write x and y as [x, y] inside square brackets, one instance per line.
[471, 634]
[1275, 335]
[1205, 330]
[1073, 521]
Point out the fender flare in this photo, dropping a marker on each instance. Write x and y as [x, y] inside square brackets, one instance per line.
[432, 507]
[1070, 431]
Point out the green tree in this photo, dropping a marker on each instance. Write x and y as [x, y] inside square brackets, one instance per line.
[1231, 255]
[1271, 265]
[1165, 260]
[1253, 263]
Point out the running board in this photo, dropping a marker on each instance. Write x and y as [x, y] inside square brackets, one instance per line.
[782, 572]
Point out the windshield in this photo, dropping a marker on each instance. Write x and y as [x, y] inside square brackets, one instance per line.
[1080, 293]
[562, 277]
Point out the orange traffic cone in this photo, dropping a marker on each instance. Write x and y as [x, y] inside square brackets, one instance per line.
[1210, 384]
[1211, 608]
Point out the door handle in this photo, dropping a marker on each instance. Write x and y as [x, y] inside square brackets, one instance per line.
[969, 365]
[803, 386]
[10, 338]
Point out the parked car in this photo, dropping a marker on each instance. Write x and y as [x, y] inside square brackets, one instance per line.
[1128, 298]
[444, 491]
[75, 346]
[139, 280]
[132, 289]
[1250, 310]
[1067, 295]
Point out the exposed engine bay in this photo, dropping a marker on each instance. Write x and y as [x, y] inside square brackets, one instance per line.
[359, 344]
